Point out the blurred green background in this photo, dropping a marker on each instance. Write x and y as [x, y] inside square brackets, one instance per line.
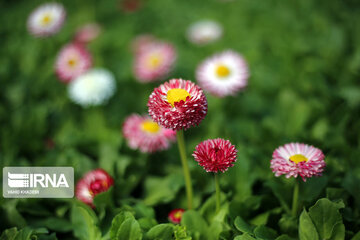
[304, 59]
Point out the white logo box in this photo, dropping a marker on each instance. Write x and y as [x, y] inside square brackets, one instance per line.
[38, 182]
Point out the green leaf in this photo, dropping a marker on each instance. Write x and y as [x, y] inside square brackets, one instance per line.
[56, 224]
[180, 233]
[125, 227]
[195, 224]
[311, 189]
[357, 236]
[307, 230]
[265, 233]
[242, 226]
[117, 221]
[325, 215]
[103, 200]
[9, 234]
[162, 190]
[129, 230]
[84, 224]
[161, 232]
[284, 237]
[245, 236]
[338, 232]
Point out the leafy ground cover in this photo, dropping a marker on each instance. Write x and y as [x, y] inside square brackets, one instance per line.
[304, 61]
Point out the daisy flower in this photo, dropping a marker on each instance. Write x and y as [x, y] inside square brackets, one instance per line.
[46, 20]
[177, 104]
[176, 215]
[215, 155]
[154, 62]
[223, 74]
[92, 88]
[72, 61]
[204, 32]
[295, 159]
[87, 33]
[93, 183]
[143, 133]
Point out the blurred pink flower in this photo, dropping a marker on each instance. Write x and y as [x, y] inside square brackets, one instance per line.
[72, 61]
[176, 215]
[87, 33]
[147, 136]
[93, 183]
[154, 60]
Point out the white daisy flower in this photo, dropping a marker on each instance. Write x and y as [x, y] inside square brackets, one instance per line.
[223, 74]
[92, 88]
[46, 20]
[204, 32]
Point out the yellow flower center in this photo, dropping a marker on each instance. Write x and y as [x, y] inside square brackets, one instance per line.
[297, 158]
[72, 62]
[154, 61]
[222, 71]
[178, 214]
[46, 19]
[177, 95]
[150, 126]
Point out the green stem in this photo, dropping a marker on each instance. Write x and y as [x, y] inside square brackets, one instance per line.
[187, 176]
[217, 192]
[295, 198]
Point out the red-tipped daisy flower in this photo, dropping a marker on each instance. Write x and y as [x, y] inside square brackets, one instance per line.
[215, 155]
[154, 62]
[176, 215]
[223, 74]
[146, 135]
[46, 20]
[295, 159]
[72, 61]
[177, 104]
[87, 33]
[93, 183]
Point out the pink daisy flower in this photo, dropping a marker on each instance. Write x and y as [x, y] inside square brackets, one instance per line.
[176, 215]
[223, 74]
[215, 155]
[93, 183]
[295, 159]
[87, 33]
[177, 104]
[154, 61]
[72, 61]
[144, 134]
[46, 20]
